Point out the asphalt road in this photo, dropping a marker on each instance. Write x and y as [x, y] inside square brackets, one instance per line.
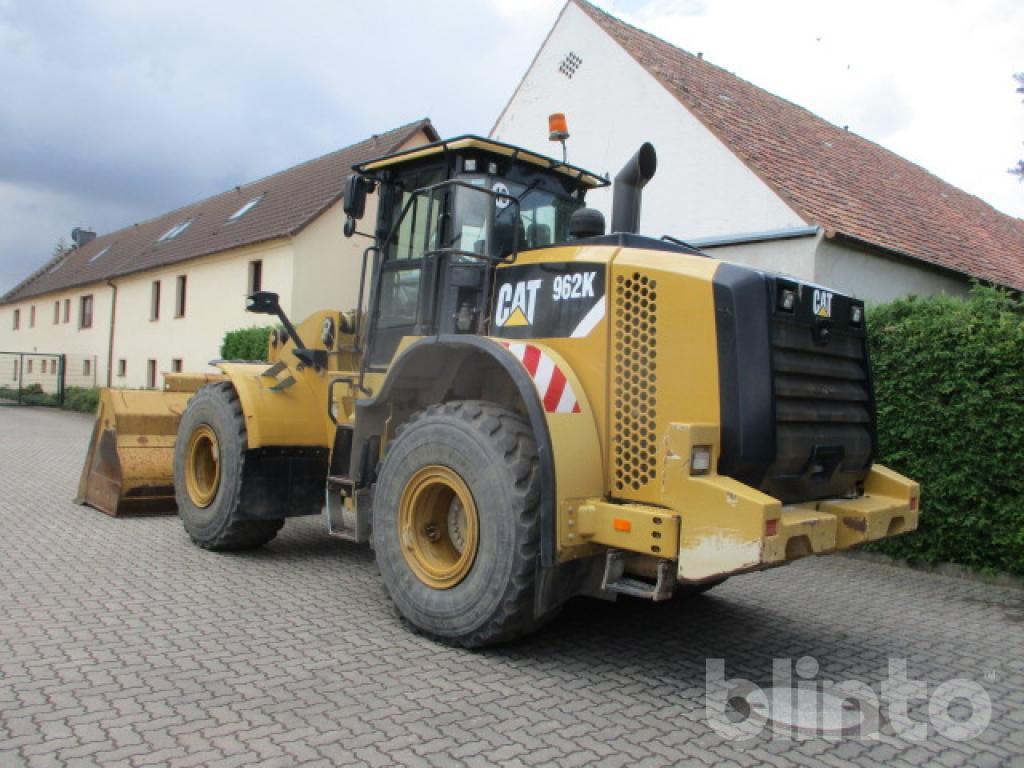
[123, 644]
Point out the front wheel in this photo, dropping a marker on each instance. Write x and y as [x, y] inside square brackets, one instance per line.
[209, 458]
[456, 523]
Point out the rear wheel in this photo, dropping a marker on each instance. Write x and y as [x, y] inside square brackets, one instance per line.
[456, 523]
[209, 459]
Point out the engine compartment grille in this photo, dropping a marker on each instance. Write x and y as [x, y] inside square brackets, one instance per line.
[823, 406]
[634, 418]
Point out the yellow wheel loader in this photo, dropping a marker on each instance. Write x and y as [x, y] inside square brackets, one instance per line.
[529, 408]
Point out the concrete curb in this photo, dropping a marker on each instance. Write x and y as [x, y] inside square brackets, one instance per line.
[943, 569]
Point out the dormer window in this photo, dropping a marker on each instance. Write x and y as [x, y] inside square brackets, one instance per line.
[245, 208]
[174, 231]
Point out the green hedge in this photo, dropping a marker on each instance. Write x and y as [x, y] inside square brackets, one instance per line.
[949, 381]
[246, 344]
[81, 399]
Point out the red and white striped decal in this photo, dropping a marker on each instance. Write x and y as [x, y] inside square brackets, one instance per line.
[554, 389]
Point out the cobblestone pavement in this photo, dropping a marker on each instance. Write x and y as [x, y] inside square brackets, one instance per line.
[123, 644]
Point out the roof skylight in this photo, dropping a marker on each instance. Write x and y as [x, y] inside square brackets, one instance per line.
[174, 231]
[99, 254]
[245, 208]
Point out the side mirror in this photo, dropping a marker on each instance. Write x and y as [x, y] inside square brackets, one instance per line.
[354, 200]
[263, 303]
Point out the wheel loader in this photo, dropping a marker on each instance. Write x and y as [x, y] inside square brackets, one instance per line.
[527, 408]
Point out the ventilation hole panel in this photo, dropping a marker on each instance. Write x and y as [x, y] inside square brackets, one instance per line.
[634, 430]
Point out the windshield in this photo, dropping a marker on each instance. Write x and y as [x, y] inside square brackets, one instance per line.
[480, 219]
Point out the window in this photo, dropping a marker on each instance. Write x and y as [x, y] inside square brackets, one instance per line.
[176, 365]
[99, 254]
[30, 365]
[179, 299]
[17, 319]
[255, 276]
[85, 312]
[67, 310]
[43, 366]
[32, 316]
[56, 312]
[87, 367]
[245, 209]
[122, 367]
[174, 231]
[154, 301]
[151, 374]
[414, 220]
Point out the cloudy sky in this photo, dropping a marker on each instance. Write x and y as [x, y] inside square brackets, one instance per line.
[113, 112]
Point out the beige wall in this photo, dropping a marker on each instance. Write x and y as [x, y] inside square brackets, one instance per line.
[846, 268]
[57, 338]
[879, 278]
[216, 287]
[794, 257]
[327, 264]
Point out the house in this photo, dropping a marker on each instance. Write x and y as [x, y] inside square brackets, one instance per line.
[160, 295]
[753, 178]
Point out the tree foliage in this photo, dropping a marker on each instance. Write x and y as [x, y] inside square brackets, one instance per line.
[949, 380]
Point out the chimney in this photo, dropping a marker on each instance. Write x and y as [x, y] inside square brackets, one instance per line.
[81, 236]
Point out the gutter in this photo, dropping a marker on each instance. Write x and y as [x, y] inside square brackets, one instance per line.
[110, 343]
[755, 237]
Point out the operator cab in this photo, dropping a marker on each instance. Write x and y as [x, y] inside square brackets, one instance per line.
[447, 214]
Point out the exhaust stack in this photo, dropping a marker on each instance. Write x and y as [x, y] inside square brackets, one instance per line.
[628, 185]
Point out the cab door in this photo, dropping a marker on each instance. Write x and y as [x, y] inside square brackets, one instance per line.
[397, 310]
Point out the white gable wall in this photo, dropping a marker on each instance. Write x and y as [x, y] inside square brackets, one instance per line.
[613, 105]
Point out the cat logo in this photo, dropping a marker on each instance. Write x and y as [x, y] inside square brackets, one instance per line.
[516, 304]
[822, 303]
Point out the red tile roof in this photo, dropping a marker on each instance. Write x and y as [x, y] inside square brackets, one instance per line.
[850, 186]
[289, 201]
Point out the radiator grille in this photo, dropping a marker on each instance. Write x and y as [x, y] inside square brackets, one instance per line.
[822, 396]
[635, 404]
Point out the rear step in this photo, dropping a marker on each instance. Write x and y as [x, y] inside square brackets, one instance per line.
[341, 483]
[617, 582]
[341, 520]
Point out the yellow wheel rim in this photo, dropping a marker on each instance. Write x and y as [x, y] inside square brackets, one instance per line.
[438, 526]
[202, 466]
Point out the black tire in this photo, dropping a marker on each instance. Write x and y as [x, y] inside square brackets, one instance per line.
[494, 453]
[216, 526]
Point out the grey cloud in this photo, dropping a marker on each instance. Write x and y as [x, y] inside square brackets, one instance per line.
[112, 112]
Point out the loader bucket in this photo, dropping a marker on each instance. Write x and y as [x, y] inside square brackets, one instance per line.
[129, 469]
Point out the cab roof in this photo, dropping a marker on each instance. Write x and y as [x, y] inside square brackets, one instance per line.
[470, 142]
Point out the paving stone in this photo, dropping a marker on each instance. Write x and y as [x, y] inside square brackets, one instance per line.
[121, 643]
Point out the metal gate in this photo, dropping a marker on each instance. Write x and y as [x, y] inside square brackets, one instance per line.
[40, 378]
